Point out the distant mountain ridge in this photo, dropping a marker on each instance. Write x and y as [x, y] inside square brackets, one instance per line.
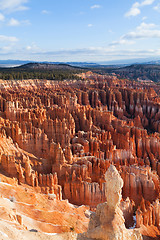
[40, 71]
[134, 71]
[10, 63]
[120, 63]
[47, 66]
[144, 71]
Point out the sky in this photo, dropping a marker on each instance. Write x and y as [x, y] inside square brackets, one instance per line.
[79, 30]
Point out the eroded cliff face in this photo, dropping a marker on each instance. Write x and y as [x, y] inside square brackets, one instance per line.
[60, 138]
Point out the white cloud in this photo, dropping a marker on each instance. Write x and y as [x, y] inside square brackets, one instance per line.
[33, 48]
[143, 31]
[2, 17]
[96, 53]
[4, 38]
[95, 6]
[45, 12]
[13, 5]
[122, 41]
[28, 48]
[144, 18]
[147, 2]
[90, 25]
[13, 22]
[9, 6]
[89, 54]
[135, 9]
[145, 26]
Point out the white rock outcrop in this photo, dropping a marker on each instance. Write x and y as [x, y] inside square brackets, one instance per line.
[107, 223]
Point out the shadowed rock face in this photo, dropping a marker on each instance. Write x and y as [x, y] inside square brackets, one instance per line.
[107, 223]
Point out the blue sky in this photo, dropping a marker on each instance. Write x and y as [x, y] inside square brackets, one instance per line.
[84, 30]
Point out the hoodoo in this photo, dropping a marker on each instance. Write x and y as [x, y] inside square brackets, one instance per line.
[107, 223]
[67, 143]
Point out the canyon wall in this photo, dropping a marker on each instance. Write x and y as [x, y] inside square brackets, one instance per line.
[65, 135]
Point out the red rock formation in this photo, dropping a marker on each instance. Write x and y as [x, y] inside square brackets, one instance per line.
[140, 182]
[77, 129]
[148, 214]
